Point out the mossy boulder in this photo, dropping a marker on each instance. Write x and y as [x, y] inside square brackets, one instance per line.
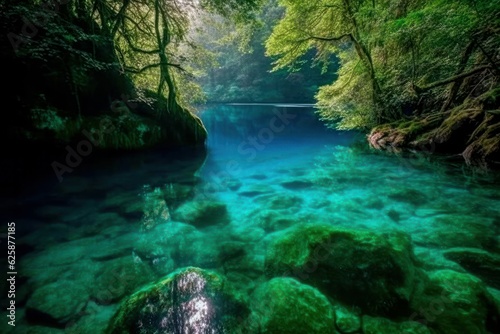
[57, 303]
[452, 230]
[470, 129]
[478, 262]
[347, 320]
[189, 300]
[372, 271]
[376, 325]
[119, 278]
[454, 303]
[284, 305]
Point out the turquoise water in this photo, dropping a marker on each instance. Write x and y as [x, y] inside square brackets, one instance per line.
[109, 228]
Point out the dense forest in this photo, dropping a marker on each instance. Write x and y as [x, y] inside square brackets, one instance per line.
[242, 71]
[419, 74]
[250, 166]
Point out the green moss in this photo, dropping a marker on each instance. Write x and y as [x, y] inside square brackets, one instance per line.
[283, 305]
[374, 272]
[189, 298]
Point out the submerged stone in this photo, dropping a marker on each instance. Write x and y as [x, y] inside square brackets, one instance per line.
[448, 231]
[56, 304]
[456, 303]
[120, 278]
[297, 184]
[280, 201]
[373, 325]
[271, 220]
[202, 213]
[284, 305]
[189, 300]
[410, 196]
[254, 190]
[347, 321]
[94, 319]
[478, 262]
[375, 272]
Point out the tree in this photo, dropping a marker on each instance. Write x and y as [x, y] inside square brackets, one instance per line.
[398, 57]
[243, 72]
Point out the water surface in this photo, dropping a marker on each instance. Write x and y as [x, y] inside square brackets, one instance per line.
[114, 225]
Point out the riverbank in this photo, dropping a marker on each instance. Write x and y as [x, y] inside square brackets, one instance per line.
[470, 130]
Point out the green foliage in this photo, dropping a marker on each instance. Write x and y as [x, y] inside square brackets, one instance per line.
[398, 57]
[48, 119]
[243, 72]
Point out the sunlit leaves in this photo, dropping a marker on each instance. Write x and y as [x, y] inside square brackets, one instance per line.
[401, 44]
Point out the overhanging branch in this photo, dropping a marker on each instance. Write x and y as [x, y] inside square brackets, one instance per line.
[147, 67]
[451, 79]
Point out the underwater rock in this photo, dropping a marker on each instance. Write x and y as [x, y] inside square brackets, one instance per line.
[119, 278]
[247, 233]
[51, 234]
[57, 303]
[496, 296]
[238, 257]
[233, 184]
[95, 318]
[372, 325]
[55, 214]
[115, 247]
[59, 261]
[456, 303]
[394, 215]
[374, 203]
[449, 231]
[284, 305]
[125, 203]
[297, 184]
[319, 203]
[155, 209]
[478, 262]
[254, 190]
[271, 220]
[433, 259]
[202, 213]
[167, 243]
[189, 300]
[347, 321]
[409, 195]
[30, 329]
[97, 223]
[175, 193]
[280, 201]
[232, 251]
[258, 177]
[375, 272]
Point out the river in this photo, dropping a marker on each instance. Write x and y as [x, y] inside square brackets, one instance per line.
[113, 225]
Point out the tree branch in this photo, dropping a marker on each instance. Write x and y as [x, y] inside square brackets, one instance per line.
[326, 39]
[451, 79]
[147, 67]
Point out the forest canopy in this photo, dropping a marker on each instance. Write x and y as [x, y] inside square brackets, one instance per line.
[398, 57]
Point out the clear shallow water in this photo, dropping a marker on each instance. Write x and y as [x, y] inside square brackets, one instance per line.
[111, 227]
